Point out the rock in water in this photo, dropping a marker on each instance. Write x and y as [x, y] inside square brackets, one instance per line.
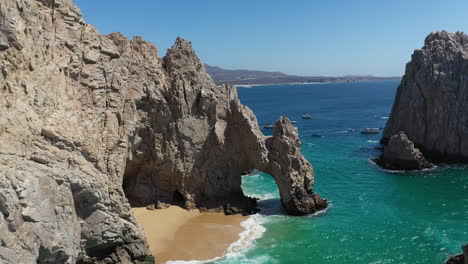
[400, 154]
[432, 99]
[461, 258]
[90, 123]
[293, 173]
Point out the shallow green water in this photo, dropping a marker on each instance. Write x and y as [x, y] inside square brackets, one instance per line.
[375, 216]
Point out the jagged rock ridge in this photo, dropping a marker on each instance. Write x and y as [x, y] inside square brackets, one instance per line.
[90, 122]
[431, 104]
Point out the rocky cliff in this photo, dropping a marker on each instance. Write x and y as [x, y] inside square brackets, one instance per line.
[431, 104]
[91, 124]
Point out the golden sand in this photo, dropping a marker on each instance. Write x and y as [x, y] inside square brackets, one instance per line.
[177, 234]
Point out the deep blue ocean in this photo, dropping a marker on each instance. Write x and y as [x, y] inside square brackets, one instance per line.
[375, 216]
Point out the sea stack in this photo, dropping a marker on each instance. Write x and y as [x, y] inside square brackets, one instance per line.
[91, 124]
[431, 104]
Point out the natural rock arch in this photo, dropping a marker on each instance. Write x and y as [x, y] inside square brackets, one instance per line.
[214, 179]
[197, 139]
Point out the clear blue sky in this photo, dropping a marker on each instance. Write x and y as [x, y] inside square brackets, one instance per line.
[304, 37]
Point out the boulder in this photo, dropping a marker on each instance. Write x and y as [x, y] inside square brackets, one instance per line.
[401, 154]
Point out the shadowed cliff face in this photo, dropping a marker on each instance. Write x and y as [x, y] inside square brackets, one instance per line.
[90, 123]
[431, 105]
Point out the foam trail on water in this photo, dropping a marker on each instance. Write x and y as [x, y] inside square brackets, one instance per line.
[376, 166]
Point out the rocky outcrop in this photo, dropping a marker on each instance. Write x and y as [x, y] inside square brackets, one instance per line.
[91, 124]
[431, 101]
[400, 154]
[285, 159]
[461, 258]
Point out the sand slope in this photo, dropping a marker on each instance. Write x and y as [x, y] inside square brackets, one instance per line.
[177, 234]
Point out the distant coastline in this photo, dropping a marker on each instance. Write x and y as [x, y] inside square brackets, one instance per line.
[256, 78]
[307, 83]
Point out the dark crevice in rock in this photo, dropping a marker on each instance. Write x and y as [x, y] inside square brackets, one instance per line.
[48, 257]
[426, 111]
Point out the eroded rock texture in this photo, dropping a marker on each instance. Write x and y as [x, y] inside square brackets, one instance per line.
[431, 105]
[90, 120]
[401, 154]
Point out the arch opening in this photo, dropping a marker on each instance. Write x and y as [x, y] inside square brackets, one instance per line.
[260, 185]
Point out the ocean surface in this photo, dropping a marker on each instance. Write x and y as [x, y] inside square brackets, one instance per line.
[375, 216]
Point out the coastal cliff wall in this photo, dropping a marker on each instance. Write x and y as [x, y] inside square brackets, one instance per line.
[431, 104]
[91, 124]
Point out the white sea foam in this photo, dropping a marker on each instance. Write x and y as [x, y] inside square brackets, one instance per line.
[381, 117]
[324, 211]
[253, 230]
[341, 131]
[373, 141]
[400, 171]
[266, 196]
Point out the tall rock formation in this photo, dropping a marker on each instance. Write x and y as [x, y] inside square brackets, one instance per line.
[431, 104]
[90, 123]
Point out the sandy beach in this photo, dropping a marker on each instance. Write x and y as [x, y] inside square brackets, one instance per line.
[177, 234]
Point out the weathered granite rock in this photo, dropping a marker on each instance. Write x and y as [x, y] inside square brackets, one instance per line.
[285, 159]
[400, 154]
[461, 258]
[90, 123]
[431, 103]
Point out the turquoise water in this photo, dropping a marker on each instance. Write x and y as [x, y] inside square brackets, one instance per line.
[375, 216]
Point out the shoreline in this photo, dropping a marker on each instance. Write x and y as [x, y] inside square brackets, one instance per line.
[269, 84]
[176, 235]
[305, 83]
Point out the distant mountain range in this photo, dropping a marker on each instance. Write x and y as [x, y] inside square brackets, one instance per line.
[245, 77]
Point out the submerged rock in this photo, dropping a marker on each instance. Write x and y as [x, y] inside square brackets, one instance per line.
[91, 124]
[431, 101]
[401, 154]
[461, 258]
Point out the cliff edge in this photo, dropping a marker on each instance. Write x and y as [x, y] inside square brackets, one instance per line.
[91, 124]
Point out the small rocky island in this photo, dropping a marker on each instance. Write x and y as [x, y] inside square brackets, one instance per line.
[91, 124]
[430, 106]
[400, 154]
